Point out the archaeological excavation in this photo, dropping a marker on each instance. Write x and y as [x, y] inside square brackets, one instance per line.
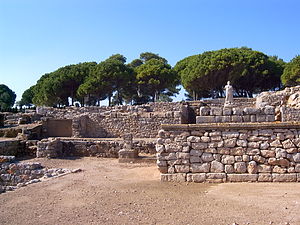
[244, 140]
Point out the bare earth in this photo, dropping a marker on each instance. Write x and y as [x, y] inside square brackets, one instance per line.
[107, 192]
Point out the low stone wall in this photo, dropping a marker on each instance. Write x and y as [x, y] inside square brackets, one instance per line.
[249, 152]
[11, 147]
[55, 147]
[235, 115]
[18, 174]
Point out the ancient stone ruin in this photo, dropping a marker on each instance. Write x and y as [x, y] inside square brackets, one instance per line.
[244, 140]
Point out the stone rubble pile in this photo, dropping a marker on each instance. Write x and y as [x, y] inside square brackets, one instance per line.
[14, 175]
[241, 154]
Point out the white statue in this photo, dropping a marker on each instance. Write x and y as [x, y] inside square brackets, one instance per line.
[229, 94]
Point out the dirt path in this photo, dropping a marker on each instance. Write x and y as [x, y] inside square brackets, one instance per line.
[107, 192]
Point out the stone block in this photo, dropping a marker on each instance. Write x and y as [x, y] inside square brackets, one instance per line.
[237, 151]
[216, 111]
[264, 169]
[253, 118]
[253, 151]
[264, 145]
[228, 159]
[229, 143]
[182, 168]
[280, 153]
[216, 167]
[278, 169]
[205, 119]
[230, 134]
[242, 177]
[182, 155]
[278, 162]
[196, 152]
[259, 159]
[253, 144]
[223, 151]
[215, 177]
[200, 167]
[270, 118]
[297, 168]
[269, 110]
[260, 118]
[241, 143]
[229, 169]
[267, 153]
[252, 167]
[237, 119]
[226, 119]
[264, 177]
[296, 157]
[240, 167]
[227, 111]
[251, 111]
[246, 118]
[193, 139]
[237, 111]
[199, 146]
[197, 178]
[205, 139]
[195, 159]
[207, 157]
[288, 144]
[177, 177]
[290, 177]
[204, 111]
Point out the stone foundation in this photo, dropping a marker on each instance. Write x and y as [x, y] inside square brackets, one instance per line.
[229, 152]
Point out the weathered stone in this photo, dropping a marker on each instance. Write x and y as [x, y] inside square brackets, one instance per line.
[163, 169]
[253, 144]
[230, 134]
[199, 146]
[216, 176]
[229, 169]
[291, 169]
[216, 111]
[216, 138]
[207, 157]
[193, 139]
[237, 111]
[161, 163]
[278, 169]
[261, 118]
[218, 144]
[291, 177]
[265, 177]
[223, 151]
[204, 111]
[264, 169]
[237, 151]
[252, 167]
[230, 142]
[161, 133]
[268, 153]
[242, 177]
[246, 118]
[241, 143]
[211, 150]
[252, 152]
[240, 167]
[182, 155]
[171, 169]
[266, 133]
[196, 152]
[178, 177]
[195, 159]
[216, 167]
[276, 144]
[246, 158]
[205, 139]
[291, 150]
[278, 162]
[228, 159]
[288, 144]
[200, 167]
[280, 153]
[264, 145]
[236, 119]
[250, 110]
[215, 133]
[197, 178]
[269, 110]
[243, 136]
[296, 157]
[297, 168]
[182, 168]
[205, 119]
[259, 159]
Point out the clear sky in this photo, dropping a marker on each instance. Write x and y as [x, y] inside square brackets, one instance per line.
[39, 36]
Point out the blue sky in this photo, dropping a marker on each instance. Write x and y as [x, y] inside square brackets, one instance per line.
[37, 36]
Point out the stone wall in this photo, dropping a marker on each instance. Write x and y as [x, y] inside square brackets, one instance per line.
[249, 152]
[108, 148]
[142, 121]
[235, 115]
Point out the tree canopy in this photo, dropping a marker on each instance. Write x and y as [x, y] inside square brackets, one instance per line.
[7, 98]
[291, 73]
[249, 71]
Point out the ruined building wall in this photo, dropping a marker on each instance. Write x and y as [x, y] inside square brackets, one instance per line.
[142, 121]
[229, 152]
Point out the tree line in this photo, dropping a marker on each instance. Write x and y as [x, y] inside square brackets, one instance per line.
[151, 78]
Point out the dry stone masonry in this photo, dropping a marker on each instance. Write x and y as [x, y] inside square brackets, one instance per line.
[266, 152]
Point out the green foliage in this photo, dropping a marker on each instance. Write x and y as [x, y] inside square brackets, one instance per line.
[27, 97]
[249, 71]
[7, 98]
[291, 74]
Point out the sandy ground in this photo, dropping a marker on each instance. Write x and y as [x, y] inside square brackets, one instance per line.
[107, 192]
